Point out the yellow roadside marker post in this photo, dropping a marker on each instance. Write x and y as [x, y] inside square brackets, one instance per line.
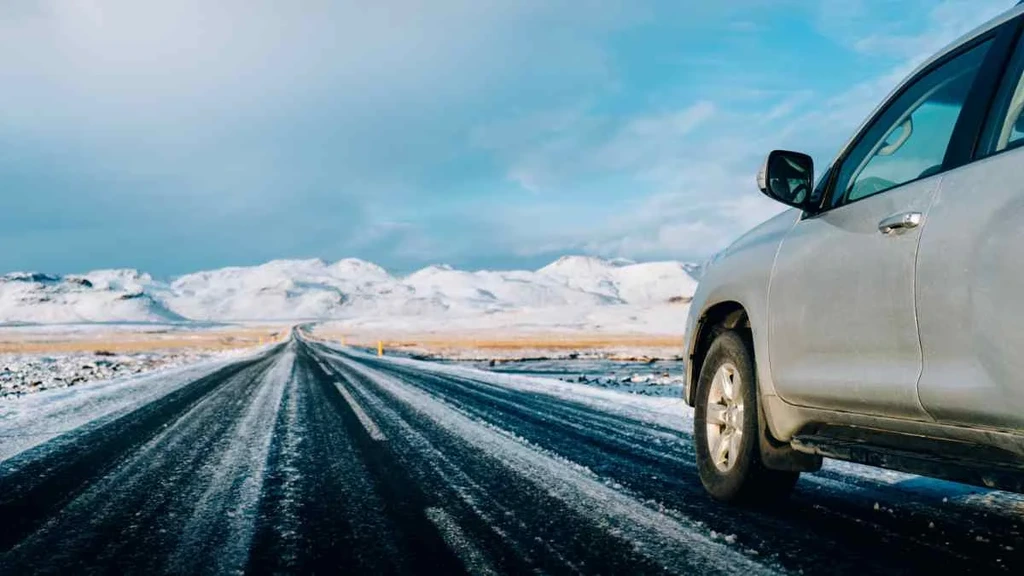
[380, 347]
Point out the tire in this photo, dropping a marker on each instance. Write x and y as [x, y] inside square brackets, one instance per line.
[728, 457]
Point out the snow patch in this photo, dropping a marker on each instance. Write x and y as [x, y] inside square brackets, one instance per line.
[29, 421]
[22, 374]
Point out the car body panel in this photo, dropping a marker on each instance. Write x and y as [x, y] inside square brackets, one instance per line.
[842, 323]
[740, 274]
[971, 295]
[787, 420]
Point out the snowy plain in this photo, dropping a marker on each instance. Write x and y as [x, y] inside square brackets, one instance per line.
[26, 373]
[32, 419]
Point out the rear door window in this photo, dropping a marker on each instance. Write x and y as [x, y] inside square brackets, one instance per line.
[1005, 127]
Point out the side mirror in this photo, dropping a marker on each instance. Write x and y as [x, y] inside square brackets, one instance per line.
[788, 177]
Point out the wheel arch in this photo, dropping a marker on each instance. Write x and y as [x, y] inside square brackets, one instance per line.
[725, 315]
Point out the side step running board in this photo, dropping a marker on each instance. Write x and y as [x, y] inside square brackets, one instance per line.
[927, 457]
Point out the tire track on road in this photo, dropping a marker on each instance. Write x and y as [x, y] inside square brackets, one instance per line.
[556, 516]
[37, 483]
[335, 499]
[177, 503]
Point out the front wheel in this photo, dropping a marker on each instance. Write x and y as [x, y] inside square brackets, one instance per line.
[726, 428]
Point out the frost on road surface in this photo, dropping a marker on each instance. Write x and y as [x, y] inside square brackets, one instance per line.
[306, 458]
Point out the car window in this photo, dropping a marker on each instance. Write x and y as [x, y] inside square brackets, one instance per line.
[1006, 123]
[908, 140]
[1012, 133]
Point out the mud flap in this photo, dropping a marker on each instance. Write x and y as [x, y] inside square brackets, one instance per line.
[777, 455]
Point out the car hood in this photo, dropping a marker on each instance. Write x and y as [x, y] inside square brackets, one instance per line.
[771, 230]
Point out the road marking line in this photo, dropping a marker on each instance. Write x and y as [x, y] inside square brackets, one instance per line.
[364, 419]
[472, 558]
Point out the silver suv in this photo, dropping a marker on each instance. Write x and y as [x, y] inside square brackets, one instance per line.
[881, 319]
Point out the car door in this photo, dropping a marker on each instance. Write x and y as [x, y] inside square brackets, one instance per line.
[971, 277]
[843, 331]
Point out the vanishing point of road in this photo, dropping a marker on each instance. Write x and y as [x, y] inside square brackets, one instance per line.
[312, 459]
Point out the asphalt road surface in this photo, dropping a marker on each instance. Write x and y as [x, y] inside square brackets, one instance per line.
[309, 459]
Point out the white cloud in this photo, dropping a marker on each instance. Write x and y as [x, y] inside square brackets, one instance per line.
[671, 124]
[946, 21]
[863, 25]
[682, 228]
[117, 74]
[648, 142]
[567, 147]
[789, 104]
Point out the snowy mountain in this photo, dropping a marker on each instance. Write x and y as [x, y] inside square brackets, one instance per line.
[648, 283]
[101, 296]
[315, 289]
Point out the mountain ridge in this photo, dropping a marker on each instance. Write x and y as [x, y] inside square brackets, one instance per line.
[307, 289]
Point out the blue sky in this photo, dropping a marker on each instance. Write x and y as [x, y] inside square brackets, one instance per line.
[479, 133]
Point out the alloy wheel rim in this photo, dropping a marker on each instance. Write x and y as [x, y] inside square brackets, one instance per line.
[724, 416]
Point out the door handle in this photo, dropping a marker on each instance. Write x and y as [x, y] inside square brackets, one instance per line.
[900, 222]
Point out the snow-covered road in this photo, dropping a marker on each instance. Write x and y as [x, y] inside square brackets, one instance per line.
[308, 458]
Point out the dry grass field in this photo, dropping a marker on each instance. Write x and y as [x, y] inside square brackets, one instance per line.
[464, 345]
[20, 341]
[484, 345]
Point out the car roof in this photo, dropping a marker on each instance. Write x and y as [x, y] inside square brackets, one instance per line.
[999, 20]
